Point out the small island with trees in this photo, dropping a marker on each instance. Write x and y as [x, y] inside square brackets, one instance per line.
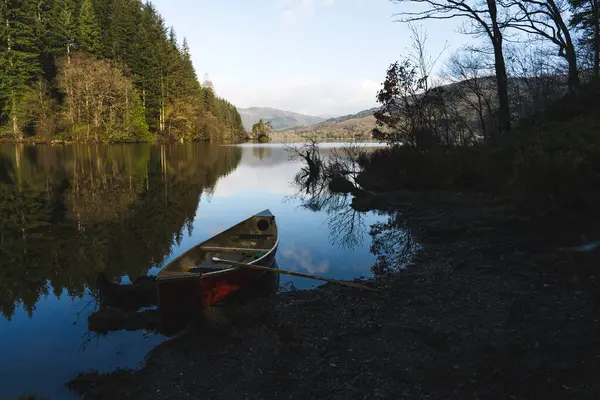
[261, 131]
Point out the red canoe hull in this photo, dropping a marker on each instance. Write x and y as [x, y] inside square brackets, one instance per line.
[188, 295]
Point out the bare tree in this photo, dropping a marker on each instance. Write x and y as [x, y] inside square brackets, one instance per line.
[474, 86]
[310, 177]
[545, 18]
[419, 56]
[347, 226]
[101, 100]
[401, 119]
[413, 113]
[437, 115]
[586, 19]
[536, 79]
[485, 21]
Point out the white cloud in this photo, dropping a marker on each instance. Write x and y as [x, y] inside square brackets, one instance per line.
[301, 94]
[301, 259]
[294, 11]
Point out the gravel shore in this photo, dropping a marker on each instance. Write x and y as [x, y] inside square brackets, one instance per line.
[490, 307]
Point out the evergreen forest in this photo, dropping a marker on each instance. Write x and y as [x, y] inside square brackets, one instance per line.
[105, 71]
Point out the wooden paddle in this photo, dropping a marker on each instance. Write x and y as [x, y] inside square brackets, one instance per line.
[217, 260]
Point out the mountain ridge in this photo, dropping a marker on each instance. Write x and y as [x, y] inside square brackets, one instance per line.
[352, 126]
[361, 114]
[280, 119]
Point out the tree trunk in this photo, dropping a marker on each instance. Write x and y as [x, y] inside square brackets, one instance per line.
[596, 16]
[87, 112]
[574, 81]
[500, 67]
[570, 53]
[161, 123]
[13, 111]
[481, 115]
[15, 121]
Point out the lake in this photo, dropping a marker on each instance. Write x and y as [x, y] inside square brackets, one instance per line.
[69, 213]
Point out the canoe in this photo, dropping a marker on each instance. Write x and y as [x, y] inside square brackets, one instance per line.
[131, 307]
[192, 280]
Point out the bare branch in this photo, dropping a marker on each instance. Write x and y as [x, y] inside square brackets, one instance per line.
[447, 10]
[545, 19]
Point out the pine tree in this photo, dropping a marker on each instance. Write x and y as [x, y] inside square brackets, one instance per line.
[104, 14]
[149, 73]
[174, 68]
[89, 29]
[209, 100]
[586, 17]
[208, 95]
[19, 59]
[190, 80]
[137, 126]
[179, 86]
[126, 16]
[62, 28]
[43, 32]
[36, 36]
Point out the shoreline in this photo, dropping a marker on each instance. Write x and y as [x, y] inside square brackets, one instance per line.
[41, 141]
[490, 307]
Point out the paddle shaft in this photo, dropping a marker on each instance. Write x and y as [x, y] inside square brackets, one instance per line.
[292, 273]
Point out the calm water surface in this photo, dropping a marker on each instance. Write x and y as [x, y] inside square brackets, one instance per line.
[69, 213]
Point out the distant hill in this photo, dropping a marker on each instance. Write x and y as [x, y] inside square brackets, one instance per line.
[360, 125]
[362, 114]
[279, 119]
[357, 126]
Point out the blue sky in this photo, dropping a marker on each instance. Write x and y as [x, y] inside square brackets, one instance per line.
[318, 57]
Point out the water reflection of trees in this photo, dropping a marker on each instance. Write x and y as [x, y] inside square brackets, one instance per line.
[330, 183]
[262, 152]
[392, 244]
[69, 213]
[313, 191]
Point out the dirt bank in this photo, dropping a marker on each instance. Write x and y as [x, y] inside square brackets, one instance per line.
[492, 307]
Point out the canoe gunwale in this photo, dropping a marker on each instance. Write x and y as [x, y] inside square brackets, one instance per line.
[200, 275]
[232, 269]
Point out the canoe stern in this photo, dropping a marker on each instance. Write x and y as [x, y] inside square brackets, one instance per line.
[192, 281]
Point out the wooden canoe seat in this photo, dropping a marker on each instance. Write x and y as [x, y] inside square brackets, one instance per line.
[172, 274]
[238, 255]
[234, 249]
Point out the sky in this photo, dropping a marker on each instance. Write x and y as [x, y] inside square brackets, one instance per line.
[316, 57]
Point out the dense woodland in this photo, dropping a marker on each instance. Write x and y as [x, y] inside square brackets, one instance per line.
[521, 118]
[103, 70]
